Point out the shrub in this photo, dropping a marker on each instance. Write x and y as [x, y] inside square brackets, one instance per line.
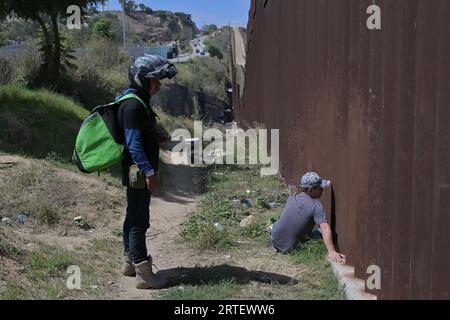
[27, 62]
[5, 71]
[215, 52]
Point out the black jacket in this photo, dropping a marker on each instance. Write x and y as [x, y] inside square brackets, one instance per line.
[133, 115]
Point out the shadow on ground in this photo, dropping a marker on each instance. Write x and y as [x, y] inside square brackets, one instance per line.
[218, 274]
[180, 183]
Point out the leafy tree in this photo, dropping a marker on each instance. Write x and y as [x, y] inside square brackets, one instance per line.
[210, 28]
[102, 28]
[214, 51]
[46, 13]
[130, 6]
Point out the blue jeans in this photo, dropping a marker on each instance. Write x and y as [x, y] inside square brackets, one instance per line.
[137, 222]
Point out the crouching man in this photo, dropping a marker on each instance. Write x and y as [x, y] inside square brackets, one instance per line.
[302, 212]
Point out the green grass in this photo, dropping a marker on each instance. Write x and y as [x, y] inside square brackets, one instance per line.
[32, 190]
[220, 291]
[217, 221]
[48, 262]
[319, 281]
[205, 74]
[38, 122]
[44, 271]
[9, 250]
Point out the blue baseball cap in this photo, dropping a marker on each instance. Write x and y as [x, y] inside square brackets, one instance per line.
[312, 179]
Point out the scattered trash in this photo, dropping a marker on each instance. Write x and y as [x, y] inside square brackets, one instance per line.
[250, 220]
[235, 202]
[22, 269]
[83, 223]
[247, 202]
[111, 283]
[21, 217]
[262, 202]
[93, 286]
[7, 221]
[274, 205]
[218, 173]
[218, 226]
[227, 257]
[252, 193]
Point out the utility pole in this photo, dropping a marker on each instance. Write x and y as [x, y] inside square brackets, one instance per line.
[123, 18]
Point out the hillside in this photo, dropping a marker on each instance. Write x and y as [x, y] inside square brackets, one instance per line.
[38, 122]
[158, 26]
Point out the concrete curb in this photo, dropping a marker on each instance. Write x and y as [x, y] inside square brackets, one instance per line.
[354, 288]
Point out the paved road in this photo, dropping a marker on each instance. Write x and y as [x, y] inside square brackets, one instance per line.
[198, 46]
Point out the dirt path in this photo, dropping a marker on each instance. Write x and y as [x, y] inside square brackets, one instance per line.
[181, 263]
[169, 209]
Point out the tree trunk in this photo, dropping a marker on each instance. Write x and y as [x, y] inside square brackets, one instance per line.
[56, 45]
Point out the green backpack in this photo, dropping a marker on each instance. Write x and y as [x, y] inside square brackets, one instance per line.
[100, 142]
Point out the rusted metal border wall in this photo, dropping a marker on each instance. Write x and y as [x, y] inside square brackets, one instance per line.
[368, 109]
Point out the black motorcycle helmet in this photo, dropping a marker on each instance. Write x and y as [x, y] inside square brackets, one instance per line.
[149, 66]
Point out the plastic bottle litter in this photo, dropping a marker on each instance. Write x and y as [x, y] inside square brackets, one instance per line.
[21, 217]
[235, 202]
[247, 202]
[6, 221]
[218, 226]
[273, 205]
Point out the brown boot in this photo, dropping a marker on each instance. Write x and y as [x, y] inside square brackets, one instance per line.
[127, 267]
[145, 278]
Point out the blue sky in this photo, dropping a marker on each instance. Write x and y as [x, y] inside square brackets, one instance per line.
[220, 12]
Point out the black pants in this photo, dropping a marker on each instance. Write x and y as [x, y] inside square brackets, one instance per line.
[137, 222]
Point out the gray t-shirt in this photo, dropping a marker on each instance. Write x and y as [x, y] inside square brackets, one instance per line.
[298, 219]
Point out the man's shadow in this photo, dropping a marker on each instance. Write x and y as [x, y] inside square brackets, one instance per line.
[219, 274]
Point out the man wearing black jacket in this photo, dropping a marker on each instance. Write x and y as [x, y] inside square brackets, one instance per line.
[140, 164]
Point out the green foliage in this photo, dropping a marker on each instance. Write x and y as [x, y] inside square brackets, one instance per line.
[215, 52]
[117, 232]
[255, 231]
[203, 74]
[162, 14]
[319, 281]
[19, 29]
[36, 122]
[102, 28]
[130, 6]
[221, 40]
[5, 71]
[101, 73]
[9, 250]
[55, 56]
[174, 27]
[212, 291]
[210, 28]
[48, 262]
